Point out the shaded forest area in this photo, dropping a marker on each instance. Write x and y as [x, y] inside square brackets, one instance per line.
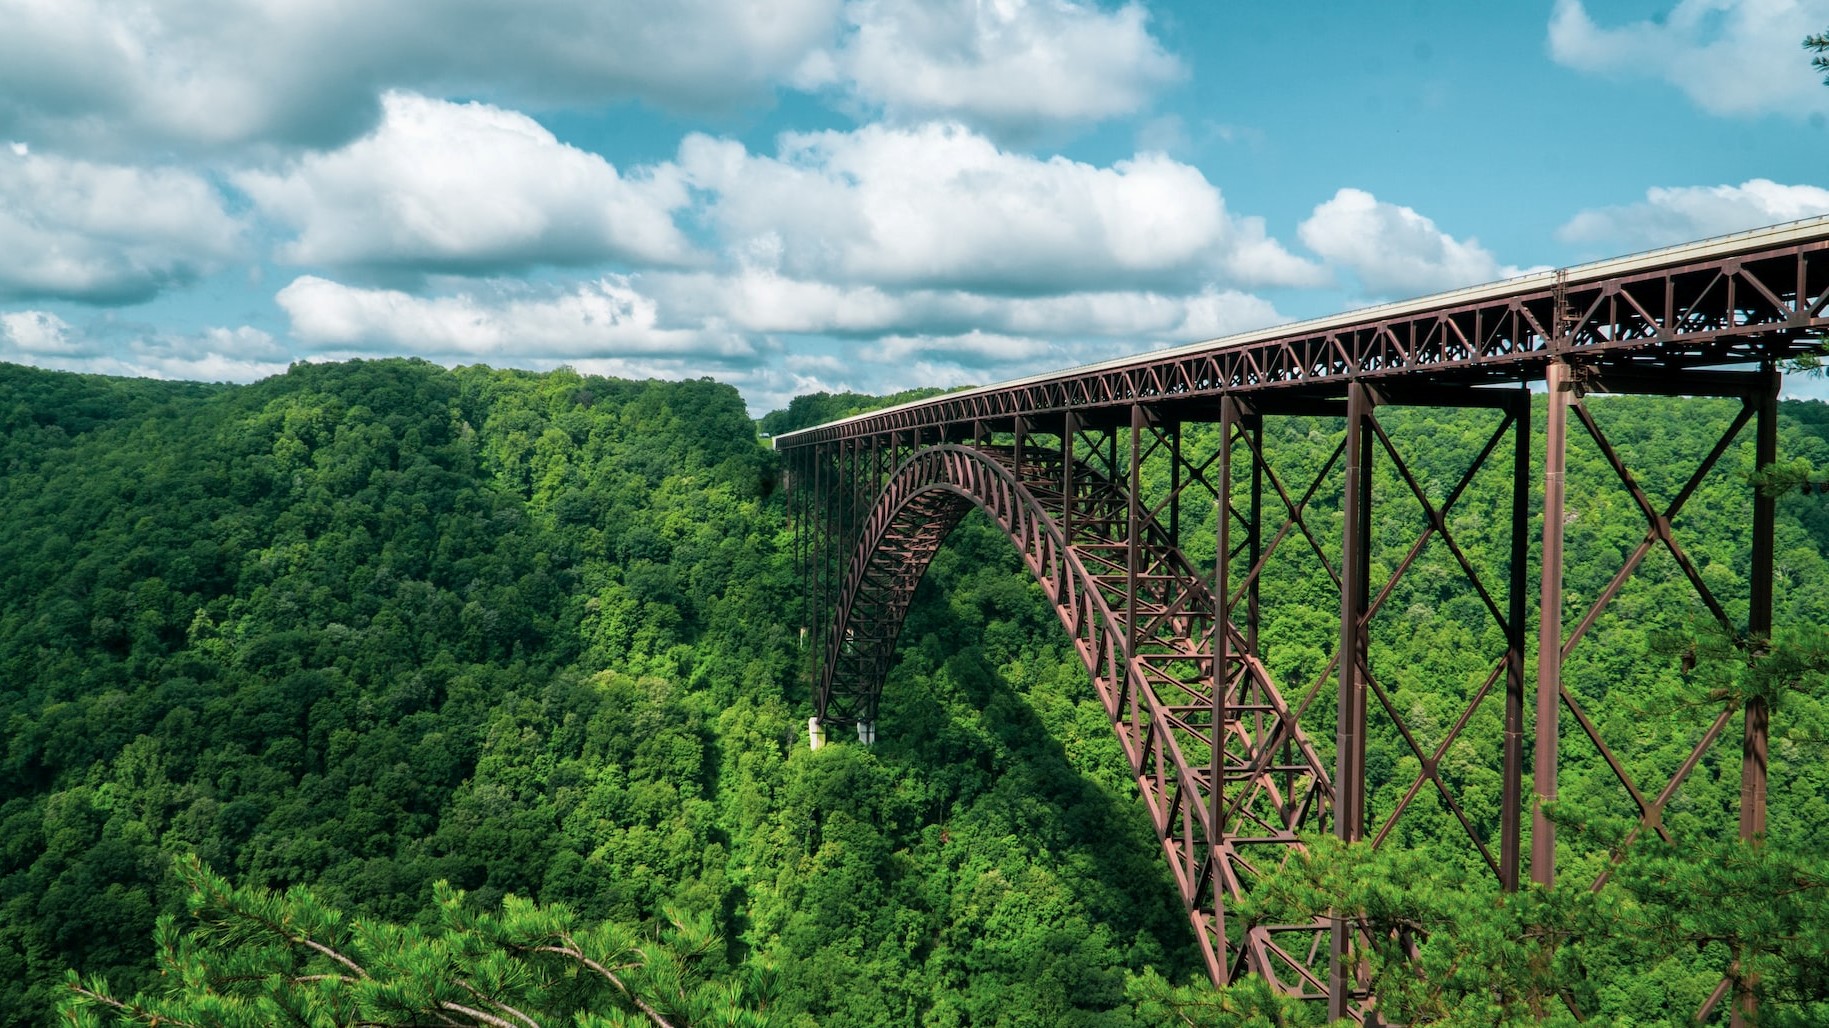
[368, 627]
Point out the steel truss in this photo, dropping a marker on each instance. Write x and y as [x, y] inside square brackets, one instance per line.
[1179, 653]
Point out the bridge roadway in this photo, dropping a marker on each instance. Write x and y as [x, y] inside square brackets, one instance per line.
[1178, 650]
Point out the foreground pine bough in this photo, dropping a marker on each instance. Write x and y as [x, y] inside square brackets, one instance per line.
[253, 957]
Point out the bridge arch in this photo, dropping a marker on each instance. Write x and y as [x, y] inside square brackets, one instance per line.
[1141, 618]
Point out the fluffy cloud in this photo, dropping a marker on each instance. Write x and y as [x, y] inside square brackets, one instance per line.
[604, 319]
[42, 339]
[118, 76]
[1007, 64]
[987, 350]
[1729, 56]
[968, 358]
[37, 334]
[761, 300]
[754, 299]
[127, 73]
[1675, 215]
[104, 233]
[467, 187]
[241, 354]
[939, 206]
[1394, 250]
[675, 325]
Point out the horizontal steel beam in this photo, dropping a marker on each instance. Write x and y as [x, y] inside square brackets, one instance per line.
[1749, 298]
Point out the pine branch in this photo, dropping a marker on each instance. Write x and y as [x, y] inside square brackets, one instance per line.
[578, 954]
[476, 1015]
[132, 1010]
[498, 1004]
[307, 941]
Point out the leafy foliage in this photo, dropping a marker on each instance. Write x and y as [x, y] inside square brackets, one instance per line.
[366, 627]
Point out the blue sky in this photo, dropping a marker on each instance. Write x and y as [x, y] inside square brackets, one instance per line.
[793, 195]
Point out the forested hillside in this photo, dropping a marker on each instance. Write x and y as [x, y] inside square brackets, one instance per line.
[371, 626]
[374, 625]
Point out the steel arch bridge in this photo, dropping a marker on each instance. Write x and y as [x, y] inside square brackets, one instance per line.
[1098, 475]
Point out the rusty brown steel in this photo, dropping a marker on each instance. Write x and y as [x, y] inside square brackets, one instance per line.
[1560, 392]
[1225, 768]
[1349, 749]
[1739, 308]
[1511, 799]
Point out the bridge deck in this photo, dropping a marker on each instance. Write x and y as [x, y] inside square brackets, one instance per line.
[1730, 300]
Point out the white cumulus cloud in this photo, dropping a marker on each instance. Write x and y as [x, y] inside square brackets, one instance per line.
[1005, 64]
[1670, 215]
[241, 354]
[603, 319]
[38, 333]
[123, 74]
[761, 300]
[42, 339]
[1393, 249]
[940, 206]
[105, 233]
[758, 299]
[974, 349]
[469, 187]
[1729, 56]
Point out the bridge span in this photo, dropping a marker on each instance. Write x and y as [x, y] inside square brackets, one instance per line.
[1102, 476]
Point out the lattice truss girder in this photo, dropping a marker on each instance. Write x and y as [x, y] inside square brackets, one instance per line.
[1697, 307]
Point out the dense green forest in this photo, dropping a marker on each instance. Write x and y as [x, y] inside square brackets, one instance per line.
[366, 628]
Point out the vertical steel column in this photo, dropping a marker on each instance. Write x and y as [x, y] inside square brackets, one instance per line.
[1219, 647]
[856, 510]
[1069, 425]
[1349, 756]
[796, 501]
[1132, 552]
[1511, 802]
[1253, 422]
[851, 475]
[1753, 746]
[1561, 391]
[823, 566]
[1759, 614]
[877, 471]
[1254, 533]
[841, 527]
[1175, 485]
